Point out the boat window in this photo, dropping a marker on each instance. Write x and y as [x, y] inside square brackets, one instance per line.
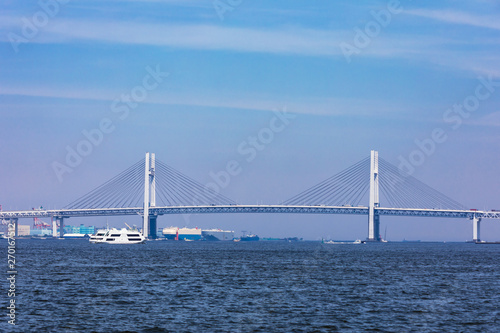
[109, 239]
[134, 239]
[115, 235]
[134, 235]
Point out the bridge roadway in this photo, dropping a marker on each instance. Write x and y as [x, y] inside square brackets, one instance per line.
[267, 209]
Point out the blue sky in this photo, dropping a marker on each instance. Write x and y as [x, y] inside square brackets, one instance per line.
[227, 73]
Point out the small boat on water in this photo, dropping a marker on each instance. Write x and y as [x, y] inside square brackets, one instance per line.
[356, 242]
[118, 236]
[75, 236]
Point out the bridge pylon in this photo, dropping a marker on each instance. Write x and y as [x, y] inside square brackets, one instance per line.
[149, 221]
[373, 216]
[58, 220]
[476, 228]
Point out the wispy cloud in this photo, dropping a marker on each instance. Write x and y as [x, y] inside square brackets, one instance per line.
[457, 17]
[211, 37]
[284, 40]
[244, 101]
[492, 119]
[289, 40]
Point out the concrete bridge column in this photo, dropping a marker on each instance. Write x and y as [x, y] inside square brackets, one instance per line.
[476, 229]
[56, 234]
[373, 216]
[152, 226]
[148, 230]
[54, 227]
[61, 227]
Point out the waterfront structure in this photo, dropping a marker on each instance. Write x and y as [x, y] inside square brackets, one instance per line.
[340, 194]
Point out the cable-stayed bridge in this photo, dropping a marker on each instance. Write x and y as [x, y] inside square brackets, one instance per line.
[151, 188]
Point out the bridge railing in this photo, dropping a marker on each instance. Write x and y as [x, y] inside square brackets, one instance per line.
[234, 208]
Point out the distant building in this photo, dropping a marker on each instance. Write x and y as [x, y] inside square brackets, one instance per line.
[87, 230]
[41, 232]
[69, 229]
[82, 229]
[23, 230]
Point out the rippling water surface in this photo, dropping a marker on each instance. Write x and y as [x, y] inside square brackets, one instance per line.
[73, 286]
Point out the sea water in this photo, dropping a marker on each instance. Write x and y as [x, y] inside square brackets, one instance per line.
[74, 286]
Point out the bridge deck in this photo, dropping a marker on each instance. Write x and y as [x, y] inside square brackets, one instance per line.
[266, 209]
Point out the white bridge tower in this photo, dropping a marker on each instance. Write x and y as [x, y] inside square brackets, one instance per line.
[373, 216]
[149, 221]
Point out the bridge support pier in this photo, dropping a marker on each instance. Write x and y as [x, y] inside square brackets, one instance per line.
[152, 226]
[149, 197]
[54, 227]
[373, 227]
[56, 234]
[476, 229]
[373, 216]
[61, 227]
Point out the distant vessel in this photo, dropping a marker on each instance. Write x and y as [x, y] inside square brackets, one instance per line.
[116, 236]
[357, 241]
[75, 236]
[217, 235]
[250, 238]
[175, 233]
[484, 242]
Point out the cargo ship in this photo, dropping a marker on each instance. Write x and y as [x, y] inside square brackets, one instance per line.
[249, 238]
[217, 235]
[175, 233]
[191, 234]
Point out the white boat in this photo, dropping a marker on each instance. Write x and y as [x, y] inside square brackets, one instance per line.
[75, 236]
[357, 241]
[119, 236]
[98, 237]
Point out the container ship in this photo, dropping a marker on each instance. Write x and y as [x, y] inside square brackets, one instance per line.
[217, 235]
[250, 238]
[191, 234]
[175, 233]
